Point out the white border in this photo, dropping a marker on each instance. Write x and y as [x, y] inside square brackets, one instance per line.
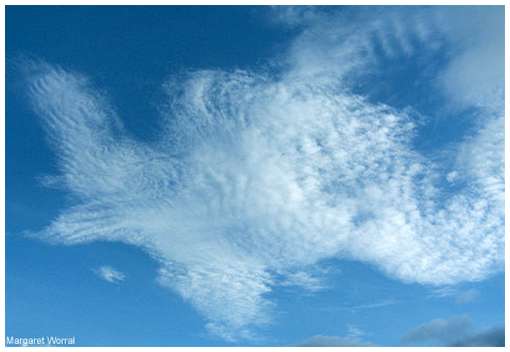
[238, 2]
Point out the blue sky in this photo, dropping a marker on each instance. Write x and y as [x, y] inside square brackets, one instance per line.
[202, 176]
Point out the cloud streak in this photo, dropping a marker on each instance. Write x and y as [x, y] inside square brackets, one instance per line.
[256, 177]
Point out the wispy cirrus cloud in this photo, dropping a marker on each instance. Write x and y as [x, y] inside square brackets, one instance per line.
[258, 177]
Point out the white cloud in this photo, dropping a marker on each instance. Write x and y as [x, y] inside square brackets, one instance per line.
[351, 43]
[110, 274]
[304, 280]
[256, 176]
[452, 176]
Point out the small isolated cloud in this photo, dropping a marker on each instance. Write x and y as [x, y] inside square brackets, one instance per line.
[454, 331]
[452, 176]
[110, 274]
[353, 338]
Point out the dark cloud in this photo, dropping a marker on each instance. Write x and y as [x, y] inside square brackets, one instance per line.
[494, 337]
[454, 331]
[439, 331]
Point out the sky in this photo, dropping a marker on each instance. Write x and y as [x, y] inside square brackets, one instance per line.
[255, 176]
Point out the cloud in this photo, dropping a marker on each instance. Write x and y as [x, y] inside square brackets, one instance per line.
[256, 178]
[475, 76]
[455, 331]
[294, 16]
[303, 280]
[346, 42]
[494, 337]
[467, 296]
[470, 37]
[459, 296]
[110, 274]
[353, 338]
[440, 331]
[379, 304]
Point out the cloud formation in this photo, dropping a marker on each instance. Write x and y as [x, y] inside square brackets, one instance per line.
[110, 274]
[257, 178]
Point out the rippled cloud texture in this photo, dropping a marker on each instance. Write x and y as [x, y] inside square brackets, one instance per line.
[258, 177]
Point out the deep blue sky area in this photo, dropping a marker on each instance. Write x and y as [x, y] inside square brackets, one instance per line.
[128, 52]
